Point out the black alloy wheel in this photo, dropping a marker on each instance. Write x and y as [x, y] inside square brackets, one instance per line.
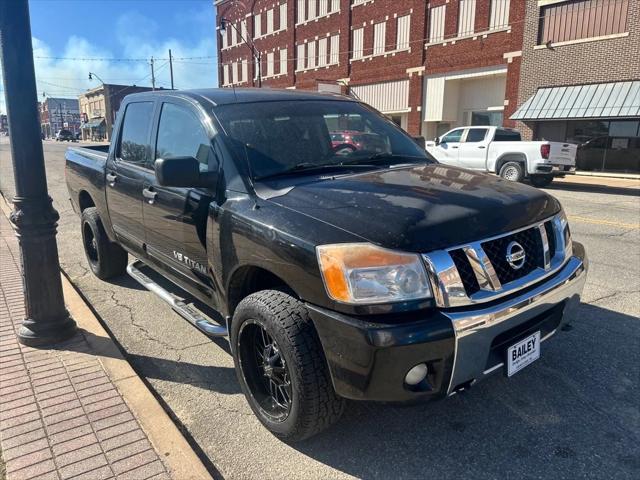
[265, 371]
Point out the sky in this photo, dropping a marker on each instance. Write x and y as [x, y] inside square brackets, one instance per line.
[74, 37]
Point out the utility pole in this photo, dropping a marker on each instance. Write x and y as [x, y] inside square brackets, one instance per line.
[153, 77]
[171, 68]
[47, 320]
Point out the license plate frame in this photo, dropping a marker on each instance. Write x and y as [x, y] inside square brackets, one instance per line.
[523, 353]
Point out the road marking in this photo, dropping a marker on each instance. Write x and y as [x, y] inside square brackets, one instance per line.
[596, 221]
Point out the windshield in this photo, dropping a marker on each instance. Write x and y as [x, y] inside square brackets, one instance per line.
[281, 137]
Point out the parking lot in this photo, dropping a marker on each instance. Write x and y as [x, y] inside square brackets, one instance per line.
[574, 413]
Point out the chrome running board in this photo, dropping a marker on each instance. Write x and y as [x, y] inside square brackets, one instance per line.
[190, 313]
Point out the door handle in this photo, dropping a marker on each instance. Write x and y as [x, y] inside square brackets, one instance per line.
[482, 146]
[111, 179]
[150, 195]
[453, 146]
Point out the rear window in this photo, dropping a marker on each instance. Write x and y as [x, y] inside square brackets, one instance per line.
[134, 141]
[507, 136]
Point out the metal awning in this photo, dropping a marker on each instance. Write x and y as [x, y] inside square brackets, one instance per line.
[96, 122]
[599, 100]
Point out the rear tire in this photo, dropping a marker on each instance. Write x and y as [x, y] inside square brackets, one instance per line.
[106, 259]
[541, 181]
[512, 171]
[275, 343]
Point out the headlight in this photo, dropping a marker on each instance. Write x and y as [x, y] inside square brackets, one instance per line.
[363, 273]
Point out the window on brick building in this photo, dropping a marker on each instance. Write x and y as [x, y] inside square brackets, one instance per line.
[322, 52]
[311, 9]
[300, 63]
[301, 11]
[243, 28]
[335, 49]
[578, 19]
[283, 60]
[234, 72]
[402, 32]
[379, 37]
[234, 35]
[270, 64]
[311, 55]
[257, 25]
[256, 69]
[334, 5]
[436, 24]
[245, 70]
[499, 15]
[225, 74]
[324, 7]
[270, 21]
[466, 17]
[283, 16]
[223, 38]
[358, 43]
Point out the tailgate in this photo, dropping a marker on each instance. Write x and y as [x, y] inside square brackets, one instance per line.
[563, 153]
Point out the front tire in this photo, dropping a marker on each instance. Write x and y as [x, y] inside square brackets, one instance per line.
[106, 259]
[281, 366]
[541, 181]
[512, 171]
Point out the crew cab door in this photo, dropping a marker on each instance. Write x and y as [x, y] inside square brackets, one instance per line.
[126, 169]
[447, 150]
[472, 152]
[175, 218]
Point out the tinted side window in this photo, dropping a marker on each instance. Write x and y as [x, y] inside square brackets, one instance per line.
[476, 135]
[180, 134]
[134, 141]
[453, 136]
[506, 136]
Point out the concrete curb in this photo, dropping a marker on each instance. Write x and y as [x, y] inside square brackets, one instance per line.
[176, 453]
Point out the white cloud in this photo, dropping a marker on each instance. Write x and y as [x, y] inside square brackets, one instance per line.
[137, 37]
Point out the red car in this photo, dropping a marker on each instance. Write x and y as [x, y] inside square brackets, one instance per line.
[347, 141]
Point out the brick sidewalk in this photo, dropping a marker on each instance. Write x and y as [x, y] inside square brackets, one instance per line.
[61, 416]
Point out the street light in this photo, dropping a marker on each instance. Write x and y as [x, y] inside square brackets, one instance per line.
[91, 75]
[256, 53]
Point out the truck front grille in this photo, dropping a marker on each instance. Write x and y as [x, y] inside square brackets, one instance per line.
[465, 271]
[534, 256]
[481, 272]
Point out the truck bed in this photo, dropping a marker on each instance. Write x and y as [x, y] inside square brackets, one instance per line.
[85, 171]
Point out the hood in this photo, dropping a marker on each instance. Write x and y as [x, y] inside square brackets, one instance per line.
[418, 208]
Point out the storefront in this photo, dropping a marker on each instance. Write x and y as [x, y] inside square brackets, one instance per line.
[470, 97]
[94, 130]
[602, 119]
[390, 98]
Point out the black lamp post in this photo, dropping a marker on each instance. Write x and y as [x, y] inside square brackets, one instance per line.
[256, 53]
[47, 320]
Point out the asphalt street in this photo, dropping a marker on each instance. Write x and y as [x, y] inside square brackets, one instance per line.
[574, 413]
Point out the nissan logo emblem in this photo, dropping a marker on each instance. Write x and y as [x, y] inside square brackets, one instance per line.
[516, 255]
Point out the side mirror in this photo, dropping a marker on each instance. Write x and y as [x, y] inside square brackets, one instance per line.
[182, 172]
[436, 140]
[420, 140]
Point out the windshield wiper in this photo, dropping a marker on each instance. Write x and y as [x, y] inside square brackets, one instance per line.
[381, 157]
[308, 167]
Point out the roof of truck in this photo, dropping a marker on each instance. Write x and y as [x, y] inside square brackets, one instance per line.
[225, 96]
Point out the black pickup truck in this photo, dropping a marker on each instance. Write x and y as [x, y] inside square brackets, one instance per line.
[361, 270]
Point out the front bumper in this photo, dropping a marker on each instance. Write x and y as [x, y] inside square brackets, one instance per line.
[368, 360]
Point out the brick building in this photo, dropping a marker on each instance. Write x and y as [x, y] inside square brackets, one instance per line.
[57, 114]
[429, 66]
[580, 79]
[99, 106]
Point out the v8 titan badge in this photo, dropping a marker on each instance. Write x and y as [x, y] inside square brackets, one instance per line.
[523, 353]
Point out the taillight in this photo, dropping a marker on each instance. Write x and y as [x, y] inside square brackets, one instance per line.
[545, 150]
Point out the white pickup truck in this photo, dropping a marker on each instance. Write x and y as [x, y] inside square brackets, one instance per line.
[502, 151]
